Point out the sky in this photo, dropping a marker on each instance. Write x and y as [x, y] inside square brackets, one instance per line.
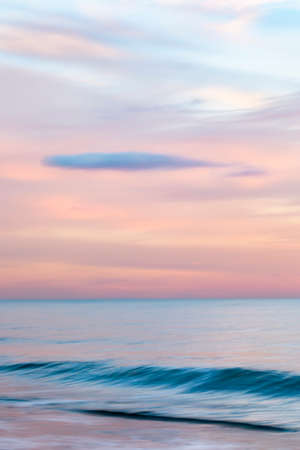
[149, 149]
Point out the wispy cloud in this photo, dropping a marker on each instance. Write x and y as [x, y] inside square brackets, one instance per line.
[223, 98]
[222, 5]
[52, 44]
[237, 14]
[284, 108]
[125, 161]
[248, 172]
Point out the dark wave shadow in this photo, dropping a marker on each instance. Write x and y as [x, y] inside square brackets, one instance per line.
[145, 415]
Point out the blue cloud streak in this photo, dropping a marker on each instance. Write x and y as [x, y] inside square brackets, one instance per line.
[125, 161]
[249, 172]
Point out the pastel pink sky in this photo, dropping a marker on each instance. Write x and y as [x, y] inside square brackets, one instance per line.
[209, 88]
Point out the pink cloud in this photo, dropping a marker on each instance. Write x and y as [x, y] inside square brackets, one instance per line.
[53, 44]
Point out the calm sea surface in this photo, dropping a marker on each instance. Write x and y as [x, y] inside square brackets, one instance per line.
[176, 374]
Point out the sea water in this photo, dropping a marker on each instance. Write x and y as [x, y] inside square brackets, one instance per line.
[186, 374]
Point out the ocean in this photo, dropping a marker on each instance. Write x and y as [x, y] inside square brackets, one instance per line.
[150, 374]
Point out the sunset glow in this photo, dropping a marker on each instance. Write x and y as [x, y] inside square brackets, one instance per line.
[149, 149]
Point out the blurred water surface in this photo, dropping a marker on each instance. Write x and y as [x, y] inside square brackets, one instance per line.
[233, 362]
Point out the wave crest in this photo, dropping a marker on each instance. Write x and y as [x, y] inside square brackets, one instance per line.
[267, 383]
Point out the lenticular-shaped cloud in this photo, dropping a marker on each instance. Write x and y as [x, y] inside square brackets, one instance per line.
[125, 161]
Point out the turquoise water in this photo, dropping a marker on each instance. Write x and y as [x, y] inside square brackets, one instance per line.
[220, 363]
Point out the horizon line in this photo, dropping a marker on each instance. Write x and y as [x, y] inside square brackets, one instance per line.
[141, 299]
